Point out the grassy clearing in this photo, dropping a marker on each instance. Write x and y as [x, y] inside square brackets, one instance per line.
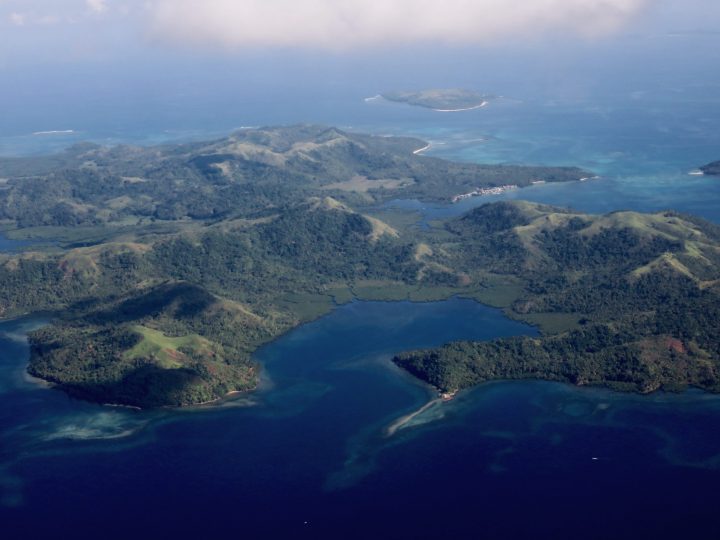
[341, 294]
[498, 291]
[164, 349]
[669, 227]
[380, 228]
[436, 294]
[128, 229]
[553, 323]
[306, 307]
[64, 235]
[362, 184]
[382, 290]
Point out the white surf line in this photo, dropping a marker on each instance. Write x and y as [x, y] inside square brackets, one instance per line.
[423, 149]
[55, 132]
[696, 173]
[374, 98]
[483, 104]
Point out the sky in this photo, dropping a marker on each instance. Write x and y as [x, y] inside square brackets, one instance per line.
[96, 54]
[37, 31]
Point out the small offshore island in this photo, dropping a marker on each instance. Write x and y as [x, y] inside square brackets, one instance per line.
[442, 100]
[171, 265]
[712, 169]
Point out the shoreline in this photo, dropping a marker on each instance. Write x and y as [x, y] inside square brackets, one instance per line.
[480, 106]
[484, 192]
[377, 97]
[423, 149]
[55, 132]
[217, 402]
[405, 420]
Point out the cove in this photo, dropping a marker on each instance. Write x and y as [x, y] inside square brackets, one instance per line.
[311, 455]
[315, 427]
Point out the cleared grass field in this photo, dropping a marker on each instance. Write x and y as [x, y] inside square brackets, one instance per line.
[164, 349]
[553, 323]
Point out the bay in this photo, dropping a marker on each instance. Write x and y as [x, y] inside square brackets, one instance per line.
[308, 455]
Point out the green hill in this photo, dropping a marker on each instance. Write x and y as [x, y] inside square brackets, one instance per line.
[174, 322]
[174, 263]
[249, 174]
[627, 300]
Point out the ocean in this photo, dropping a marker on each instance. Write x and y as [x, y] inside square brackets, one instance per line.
[308, 455]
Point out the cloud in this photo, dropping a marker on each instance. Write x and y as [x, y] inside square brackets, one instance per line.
[341, 24]
[97, 6]
[18, 19]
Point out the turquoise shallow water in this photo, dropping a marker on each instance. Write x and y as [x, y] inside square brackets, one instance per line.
[642, 150]
[641, 143]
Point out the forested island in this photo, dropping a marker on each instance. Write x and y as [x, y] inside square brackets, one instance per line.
[711, 168]
[170, 265]
[629, 301]
[442, 100]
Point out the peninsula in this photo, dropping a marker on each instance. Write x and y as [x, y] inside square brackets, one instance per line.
[711, 168]
[628, 301]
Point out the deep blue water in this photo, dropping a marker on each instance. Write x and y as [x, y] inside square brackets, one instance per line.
[506, 460]
[285, 456]
[308, 455]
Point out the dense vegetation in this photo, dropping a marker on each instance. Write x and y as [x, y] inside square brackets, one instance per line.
[446, 99]
[249, 174]
[174, 344]
[174, 322]
[644, 289]
[179, 261]
[711, 168]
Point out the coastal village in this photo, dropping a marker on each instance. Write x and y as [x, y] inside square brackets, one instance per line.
[482, 192]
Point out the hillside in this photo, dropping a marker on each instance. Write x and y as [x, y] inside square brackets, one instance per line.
[169, 345]
[627, 300]
[174, 321]
[172, 264]
[249, 174]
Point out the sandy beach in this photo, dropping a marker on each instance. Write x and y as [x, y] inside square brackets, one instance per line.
[423, 149]
[483, 104]
[403, 421]
[55, 132]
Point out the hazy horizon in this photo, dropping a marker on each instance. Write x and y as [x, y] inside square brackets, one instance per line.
[109, 63]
